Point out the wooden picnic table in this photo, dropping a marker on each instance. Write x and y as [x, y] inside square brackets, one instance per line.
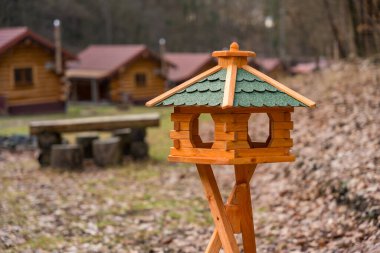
[101, 123]
[49, 132]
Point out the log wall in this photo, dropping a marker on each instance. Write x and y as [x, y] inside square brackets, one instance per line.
[47, 86]
[231, 145]
[125, 81]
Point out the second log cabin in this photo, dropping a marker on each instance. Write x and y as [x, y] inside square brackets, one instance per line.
[116, 73]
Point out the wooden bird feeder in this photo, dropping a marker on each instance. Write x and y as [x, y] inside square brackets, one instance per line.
[231, 92]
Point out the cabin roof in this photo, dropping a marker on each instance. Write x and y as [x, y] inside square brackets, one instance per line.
[233, 85]
[100, 61]
[187, 64]
[308, 67]
[10, 36]
[268, 63]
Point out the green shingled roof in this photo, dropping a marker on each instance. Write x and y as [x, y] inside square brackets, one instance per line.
[250, 91]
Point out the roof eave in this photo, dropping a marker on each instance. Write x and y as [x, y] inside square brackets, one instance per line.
[134, 58]
[184, 85]
[37, 38]
[188, 76]
[308, 102]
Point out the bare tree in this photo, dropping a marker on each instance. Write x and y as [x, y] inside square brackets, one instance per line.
[335, 30]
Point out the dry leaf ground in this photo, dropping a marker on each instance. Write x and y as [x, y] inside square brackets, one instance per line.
[327, 201]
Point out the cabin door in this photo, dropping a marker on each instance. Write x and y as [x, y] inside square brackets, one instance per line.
[104, 90]
[81, 90]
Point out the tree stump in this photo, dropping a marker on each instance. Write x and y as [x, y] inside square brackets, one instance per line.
[85, 141]
[67, 156]
[107, 152]
[139, 150]
[45, 142]
[125, 139]
[138, 134]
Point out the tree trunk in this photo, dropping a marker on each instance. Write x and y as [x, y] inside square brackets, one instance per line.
[355, 24]
[107, 152]
[66, 156]
[335, 30]
[365, 20]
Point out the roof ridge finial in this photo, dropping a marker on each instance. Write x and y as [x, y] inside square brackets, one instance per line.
[233, 52]
[234, 46]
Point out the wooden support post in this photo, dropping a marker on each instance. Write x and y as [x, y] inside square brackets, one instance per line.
[94, 91]
[247, 228]
[74, 89]
[218, 211]
[243, 174]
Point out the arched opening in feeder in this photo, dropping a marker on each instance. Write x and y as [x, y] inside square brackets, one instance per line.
[204, 131]
[259, 130]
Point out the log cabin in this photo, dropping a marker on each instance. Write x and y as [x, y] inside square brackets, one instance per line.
[308, 66]
[188, 65]
[271, 66]
[116, 73]
[31, 72]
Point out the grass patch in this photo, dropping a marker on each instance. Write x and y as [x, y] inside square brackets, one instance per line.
[44, 242]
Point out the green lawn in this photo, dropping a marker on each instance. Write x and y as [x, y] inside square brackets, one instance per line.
[157, 137]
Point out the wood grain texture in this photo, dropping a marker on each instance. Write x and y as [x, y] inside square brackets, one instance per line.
[232, 161]
[218, 212]
[104, 123]
[276, 125]
[247, 228]
[202, 152]
[229, 87]
[47, 85]
[243, 173]
[124, 81]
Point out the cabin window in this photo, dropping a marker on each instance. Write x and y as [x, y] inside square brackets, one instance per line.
[140, 80]
[259, 130]
[23, 76]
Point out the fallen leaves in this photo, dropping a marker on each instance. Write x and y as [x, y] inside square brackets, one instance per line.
[327, 201]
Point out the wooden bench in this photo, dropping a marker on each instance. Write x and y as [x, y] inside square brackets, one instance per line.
[49, 132]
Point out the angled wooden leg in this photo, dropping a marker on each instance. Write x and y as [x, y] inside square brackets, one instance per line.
[243, 196]
[215, 244]
[247, 227]
[218, 211]
[233, 214]
[242, 174]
